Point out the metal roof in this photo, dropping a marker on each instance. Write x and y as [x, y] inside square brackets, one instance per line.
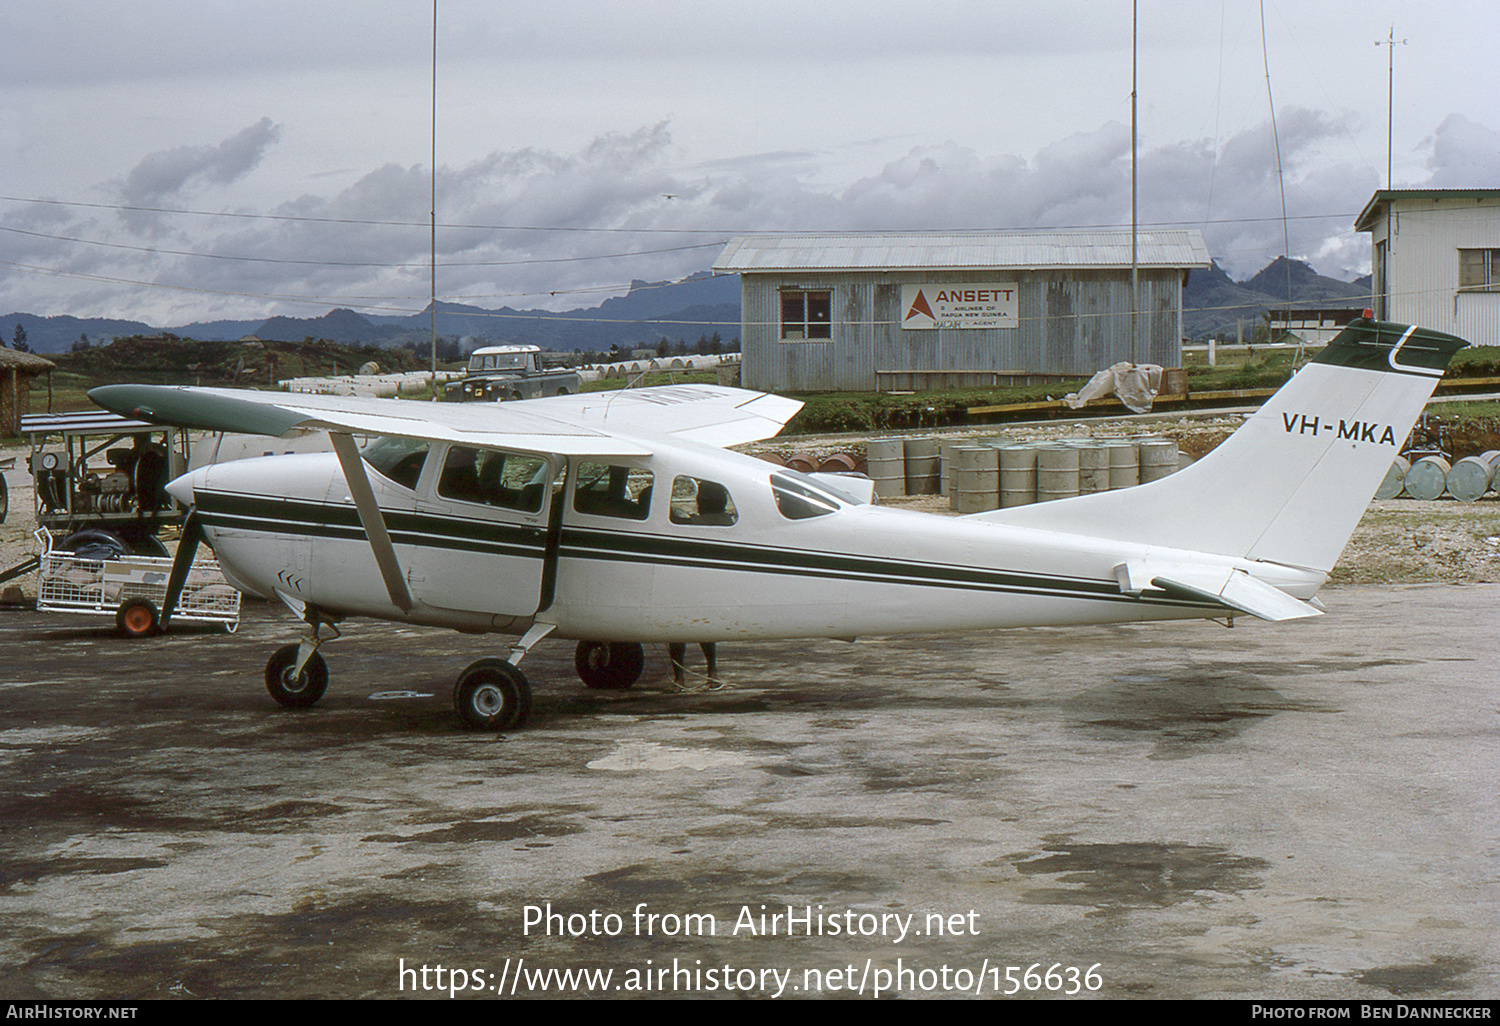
[1368, 216]
[84, 422]
[1019, 250]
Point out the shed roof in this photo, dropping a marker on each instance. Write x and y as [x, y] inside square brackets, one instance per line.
[1369, 216]
[26, 362]
[1030, 250]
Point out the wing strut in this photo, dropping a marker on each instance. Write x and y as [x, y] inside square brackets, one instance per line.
[187, 548]
[371, 519]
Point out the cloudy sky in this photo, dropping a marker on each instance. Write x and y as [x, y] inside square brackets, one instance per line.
[174, 161]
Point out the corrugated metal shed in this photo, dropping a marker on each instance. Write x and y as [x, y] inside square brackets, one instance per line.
[1020, 250]
[1419, 238]
[1071, 315]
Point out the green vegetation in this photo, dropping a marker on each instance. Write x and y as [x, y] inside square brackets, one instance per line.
[169, 360]
[1480, 362]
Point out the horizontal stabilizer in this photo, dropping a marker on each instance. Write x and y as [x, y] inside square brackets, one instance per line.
[1243, 593]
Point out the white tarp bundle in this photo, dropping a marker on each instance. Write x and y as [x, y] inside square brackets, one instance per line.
[1134, 384]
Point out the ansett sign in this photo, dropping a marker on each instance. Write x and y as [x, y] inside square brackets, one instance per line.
[963, 305]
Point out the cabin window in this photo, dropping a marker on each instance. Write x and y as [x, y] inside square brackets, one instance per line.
[1478, 268]
[806, 315]
[399, 459]
[509, 480]
[800, 498]
[613, 491]
[701, 503]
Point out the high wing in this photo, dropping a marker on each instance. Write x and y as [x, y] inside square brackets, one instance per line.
[574, 425]
[711, 414]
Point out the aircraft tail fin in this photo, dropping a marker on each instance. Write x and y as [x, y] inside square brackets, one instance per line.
[1290, 485]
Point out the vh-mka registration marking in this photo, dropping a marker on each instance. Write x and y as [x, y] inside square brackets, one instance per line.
[1354, 430]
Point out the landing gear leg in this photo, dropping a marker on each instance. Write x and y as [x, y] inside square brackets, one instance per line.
[296, 675]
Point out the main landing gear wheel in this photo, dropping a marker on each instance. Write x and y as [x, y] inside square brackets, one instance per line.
[492, 695]
[610, 665]
[300, 691]
[137, 618]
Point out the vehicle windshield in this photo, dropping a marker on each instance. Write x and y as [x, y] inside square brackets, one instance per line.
[499, 361]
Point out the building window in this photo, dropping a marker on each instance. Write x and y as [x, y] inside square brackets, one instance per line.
[806, 315]
[1478, 268]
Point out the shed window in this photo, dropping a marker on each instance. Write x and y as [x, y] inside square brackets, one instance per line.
[806, 315]
[1478, 268]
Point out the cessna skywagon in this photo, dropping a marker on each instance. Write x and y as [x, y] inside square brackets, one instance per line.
[617, 518]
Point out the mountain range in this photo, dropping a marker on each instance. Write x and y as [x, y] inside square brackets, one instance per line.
[701, 304]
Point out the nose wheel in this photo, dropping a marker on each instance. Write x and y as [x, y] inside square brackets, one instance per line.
[293, 688]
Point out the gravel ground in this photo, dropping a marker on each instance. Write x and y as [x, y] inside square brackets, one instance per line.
[1398, 541]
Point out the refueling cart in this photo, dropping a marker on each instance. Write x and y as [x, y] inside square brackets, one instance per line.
[99, 482]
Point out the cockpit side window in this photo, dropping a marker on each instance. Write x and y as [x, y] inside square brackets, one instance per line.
[399, 459]
[509, 480]
[701, 503]
[800, 498]
[613, 491]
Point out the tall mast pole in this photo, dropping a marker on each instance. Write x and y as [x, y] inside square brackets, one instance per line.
[1135, 269]
[1390, 96]
[432, 238]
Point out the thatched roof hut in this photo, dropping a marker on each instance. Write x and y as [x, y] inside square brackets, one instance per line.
[16, 371]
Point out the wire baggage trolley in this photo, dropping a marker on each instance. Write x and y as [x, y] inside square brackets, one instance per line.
[102, 581]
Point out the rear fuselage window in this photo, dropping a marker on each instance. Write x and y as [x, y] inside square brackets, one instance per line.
[613, 491]
[701, 503]
[798, 498]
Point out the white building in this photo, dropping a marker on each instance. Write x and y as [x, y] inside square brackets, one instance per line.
[1435, 259]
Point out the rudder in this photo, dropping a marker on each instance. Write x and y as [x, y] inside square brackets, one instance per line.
[1291, 484]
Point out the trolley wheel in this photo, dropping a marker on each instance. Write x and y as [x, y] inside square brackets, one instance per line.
[492, 695]
[136, 618]
[609, 665]
[295, 692]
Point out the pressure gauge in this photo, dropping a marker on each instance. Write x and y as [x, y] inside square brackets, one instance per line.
[49, 461]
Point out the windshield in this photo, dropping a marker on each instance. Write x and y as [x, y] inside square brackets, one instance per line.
[399, 459]
[499, 361]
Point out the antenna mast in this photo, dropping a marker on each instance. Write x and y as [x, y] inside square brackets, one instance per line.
[1390, 95]
[432, 263]
[1135, 267]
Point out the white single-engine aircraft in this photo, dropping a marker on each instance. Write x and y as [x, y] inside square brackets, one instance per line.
[616, 518]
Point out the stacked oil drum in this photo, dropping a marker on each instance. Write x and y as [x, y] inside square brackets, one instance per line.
[1432, 477]
[995, 473]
